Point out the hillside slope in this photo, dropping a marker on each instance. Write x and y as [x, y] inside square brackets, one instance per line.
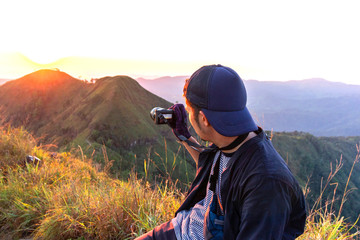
[65, 192]
[39, 202]
[55, 105]
[68, 112]
[311, 159]
[36, 99]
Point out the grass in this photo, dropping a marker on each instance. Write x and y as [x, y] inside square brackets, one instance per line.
[15, 144]
[68, 198]
[323, 222]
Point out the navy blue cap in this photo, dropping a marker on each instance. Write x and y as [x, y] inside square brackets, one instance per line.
[220, 93]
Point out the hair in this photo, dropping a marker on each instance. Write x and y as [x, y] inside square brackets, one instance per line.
[196, 109]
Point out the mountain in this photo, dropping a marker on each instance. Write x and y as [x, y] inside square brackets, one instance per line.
[47, 98]
[316, 106]
[309, 88]
[36, 99]
[68, 112]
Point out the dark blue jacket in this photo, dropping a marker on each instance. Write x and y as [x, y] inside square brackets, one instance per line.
[261, 197]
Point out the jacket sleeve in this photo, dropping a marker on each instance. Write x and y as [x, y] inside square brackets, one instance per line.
[264, 208]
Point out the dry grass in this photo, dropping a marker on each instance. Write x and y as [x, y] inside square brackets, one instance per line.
[323, 222]
[15, 144]
[68, 198]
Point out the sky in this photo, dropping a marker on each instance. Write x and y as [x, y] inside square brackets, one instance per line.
[262, 40]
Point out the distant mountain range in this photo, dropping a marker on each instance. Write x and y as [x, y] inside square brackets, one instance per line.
[316, 106]
[169, 88]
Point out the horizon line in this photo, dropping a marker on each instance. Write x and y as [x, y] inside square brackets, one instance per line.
[154, 77]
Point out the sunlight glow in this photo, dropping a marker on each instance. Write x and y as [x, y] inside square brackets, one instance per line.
[41, 58]
[277, 40]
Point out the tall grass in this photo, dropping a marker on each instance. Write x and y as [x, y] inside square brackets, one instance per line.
[15, 144]
[323, 222]
[68, 198]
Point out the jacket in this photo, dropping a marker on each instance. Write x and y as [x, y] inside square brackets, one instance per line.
[260, 196]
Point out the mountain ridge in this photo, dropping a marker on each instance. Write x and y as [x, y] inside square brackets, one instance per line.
[68, 112]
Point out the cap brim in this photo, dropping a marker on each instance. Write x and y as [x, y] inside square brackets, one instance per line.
[232, 123]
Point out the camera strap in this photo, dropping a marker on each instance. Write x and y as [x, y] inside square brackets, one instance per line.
[193, 145]
[236, 142]
[232, 145]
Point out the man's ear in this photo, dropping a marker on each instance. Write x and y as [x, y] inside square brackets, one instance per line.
[203, 119]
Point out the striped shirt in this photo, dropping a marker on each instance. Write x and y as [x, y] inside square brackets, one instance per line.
[189, 224]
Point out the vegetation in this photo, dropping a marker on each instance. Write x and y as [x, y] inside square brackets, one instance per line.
[69, 198]
[112, 112]
[312, 159]
[323, 222]
[116, 175]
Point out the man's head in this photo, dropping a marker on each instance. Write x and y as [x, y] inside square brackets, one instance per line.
[218, 94]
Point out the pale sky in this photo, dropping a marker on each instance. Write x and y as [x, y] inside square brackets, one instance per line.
[263, 40]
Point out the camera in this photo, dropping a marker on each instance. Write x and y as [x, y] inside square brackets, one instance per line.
[161, 115]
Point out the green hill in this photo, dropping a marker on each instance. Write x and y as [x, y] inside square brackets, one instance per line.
[58, 107]
[113, 111]
[312, 159]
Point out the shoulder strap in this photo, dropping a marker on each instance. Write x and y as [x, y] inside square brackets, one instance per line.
[213, 182]
[214, 177]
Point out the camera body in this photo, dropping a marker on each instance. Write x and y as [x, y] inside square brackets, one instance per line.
[161, 115]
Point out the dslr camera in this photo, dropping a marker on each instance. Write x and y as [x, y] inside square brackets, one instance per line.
[161, 115]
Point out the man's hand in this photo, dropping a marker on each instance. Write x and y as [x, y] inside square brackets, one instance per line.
[179, 122]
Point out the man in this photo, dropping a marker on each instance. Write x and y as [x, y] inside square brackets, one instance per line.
[243, 188]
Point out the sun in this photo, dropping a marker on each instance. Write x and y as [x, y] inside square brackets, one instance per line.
[41, 58]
